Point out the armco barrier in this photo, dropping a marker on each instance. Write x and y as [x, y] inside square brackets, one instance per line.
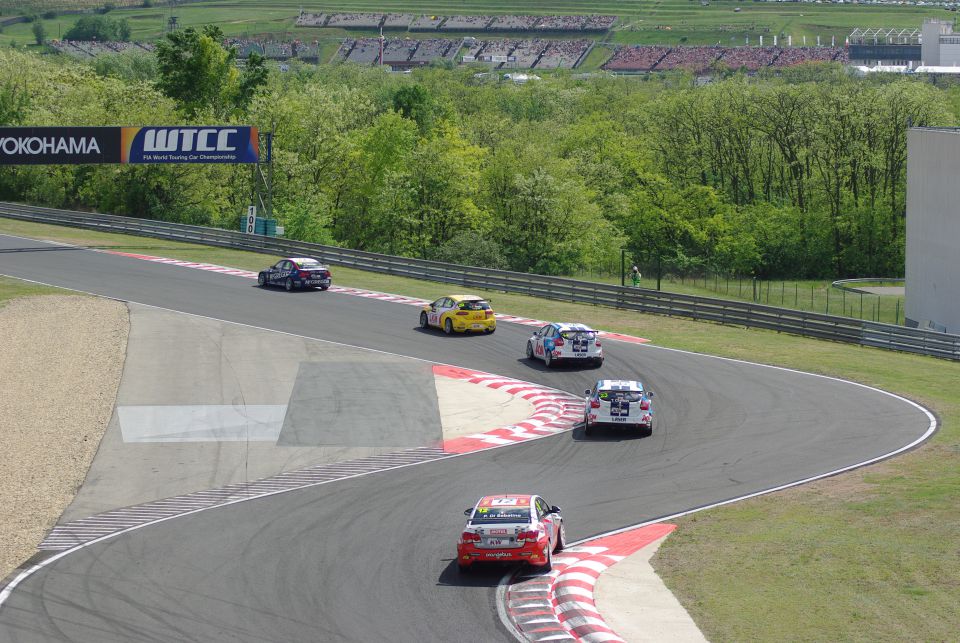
[794, 322]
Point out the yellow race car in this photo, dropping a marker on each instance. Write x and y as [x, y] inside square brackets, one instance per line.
[459, 313]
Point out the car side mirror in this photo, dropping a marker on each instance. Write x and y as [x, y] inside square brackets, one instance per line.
[649, 393]
[587, 392]
[554, 509]
[467, 512]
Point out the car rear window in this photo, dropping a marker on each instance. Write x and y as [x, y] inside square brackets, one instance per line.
[578, 334]
[473, 305]
[484, 515]
[623, 396]
[310, 264]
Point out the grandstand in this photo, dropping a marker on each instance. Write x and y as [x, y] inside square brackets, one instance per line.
[473, 23]
[648, 58]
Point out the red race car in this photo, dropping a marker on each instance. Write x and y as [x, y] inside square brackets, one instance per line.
[511, 528]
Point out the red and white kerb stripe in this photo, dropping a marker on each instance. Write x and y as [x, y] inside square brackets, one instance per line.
[560, 605]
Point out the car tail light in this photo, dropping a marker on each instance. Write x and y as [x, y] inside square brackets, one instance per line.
[597, 342]
[489, 313]
[462, 312]
[645, 405]
[558, 342]
[326, 274]
[469, 537]
[532, 535]
[594, 404]
[304, 274]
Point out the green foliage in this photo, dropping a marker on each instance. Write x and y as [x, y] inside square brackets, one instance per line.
[127, 65]
[102, 28]
[766, 176]
[200, 74]
[39, 32]
[471, 248]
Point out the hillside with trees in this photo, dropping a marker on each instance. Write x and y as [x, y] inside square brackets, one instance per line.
[796, 175]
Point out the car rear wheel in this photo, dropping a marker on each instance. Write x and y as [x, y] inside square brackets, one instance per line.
[561, 538]
[261, 280]
[489, 331]
[587, 428]
[424, 322]
[549, 564]
[324, 287]
[529, 350]
[448, 326]
[597, 363]
[288, 284]
[548, 359]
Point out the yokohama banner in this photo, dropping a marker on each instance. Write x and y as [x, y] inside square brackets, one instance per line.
[56, 145]
[75, 145]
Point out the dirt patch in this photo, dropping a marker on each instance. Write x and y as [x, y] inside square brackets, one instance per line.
[62, 357]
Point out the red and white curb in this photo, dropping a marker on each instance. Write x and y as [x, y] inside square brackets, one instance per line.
[357, 292]
[560, 605]
[554, 411]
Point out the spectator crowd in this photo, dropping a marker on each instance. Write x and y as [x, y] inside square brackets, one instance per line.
[412, 22]
[700, 59]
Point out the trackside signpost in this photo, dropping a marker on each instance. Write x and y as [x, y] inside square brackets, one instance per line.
[236, 144]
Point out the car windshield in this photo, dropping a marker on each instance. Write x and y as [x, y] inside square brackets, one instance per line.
[484, 515]
[623, 396]
[308, 264]
[473, 305]
[578, 334]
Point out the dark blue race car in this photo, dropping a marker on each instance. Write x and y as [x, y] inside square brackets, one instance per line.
[296, 272]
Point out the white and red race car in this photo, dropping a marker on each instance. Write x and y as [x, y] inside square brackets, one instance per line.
[565, 341]
[511, 528]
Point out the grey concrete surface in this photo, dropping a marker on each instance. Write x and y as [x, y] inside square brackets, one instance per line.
[637, 605]
[370, 558]
[204, 404]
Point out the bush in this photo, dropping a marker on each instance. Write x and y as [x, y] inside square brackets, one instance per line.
[470, 248]
[49, 15]
[102, 28]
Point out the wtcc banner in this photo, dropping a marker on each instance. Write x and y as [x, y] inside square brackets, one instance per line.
[78, 145]
[190, 145]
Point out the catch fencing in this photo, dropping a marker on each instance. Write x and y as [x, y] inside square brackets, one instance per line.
[738, 313]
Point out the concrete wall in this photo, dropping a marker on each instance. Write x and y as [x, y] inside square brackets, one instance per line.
[933, 228]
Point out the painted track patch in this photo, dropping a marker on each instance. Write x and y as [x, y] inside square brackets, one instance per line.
[357, 292]
[555, 412]
[560, 606]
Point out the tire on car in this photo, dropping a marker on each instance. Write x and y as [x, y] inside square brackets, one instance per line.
[261, 280]
[288, 284]
[448, 326]
[424, 322]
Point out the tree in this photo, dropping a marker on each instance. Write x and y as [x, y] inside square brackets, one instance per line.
[199, 74]
[414, 102]
[102, 28]
[39, 32]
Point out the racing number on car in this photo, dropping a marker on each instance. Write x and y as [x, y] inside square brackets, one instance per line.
[503, 502]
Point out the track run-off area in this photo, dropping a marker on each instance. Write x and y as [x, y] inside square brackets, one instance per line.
[371, 557]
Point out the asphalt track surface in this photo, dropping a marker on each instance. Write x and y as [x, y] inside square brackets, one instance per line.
[371, 558]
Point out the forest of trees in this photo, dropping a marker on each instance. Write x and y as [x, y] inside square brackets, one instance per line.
[799, 176]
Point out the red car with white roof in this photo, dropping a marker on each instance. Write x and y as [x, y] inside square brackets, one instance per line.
[511, 528]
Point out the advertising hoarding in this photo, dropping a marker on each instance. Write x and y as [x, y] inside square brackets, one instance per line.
[81, 145]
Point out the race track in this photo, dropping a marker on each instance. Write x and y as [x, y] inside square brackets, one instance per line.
[370, 558]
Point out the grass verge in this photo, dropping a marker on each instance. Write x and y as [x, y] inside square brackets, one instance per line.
[870, 555]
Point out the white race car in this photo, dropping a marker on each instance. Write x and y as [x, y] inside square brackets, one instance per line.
[564, 341]
[618, 402]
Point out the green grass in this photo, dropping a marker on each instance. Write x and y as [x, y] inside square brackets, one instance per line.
[869, 555]
[641, 21]
[13, 288]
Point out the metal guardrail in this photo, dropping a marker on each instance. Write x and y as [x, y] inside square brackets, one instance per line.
[739, 313]
[844, 284]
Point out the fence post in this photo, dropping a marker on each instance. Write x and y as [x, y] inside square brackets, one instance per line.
[896, 319]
